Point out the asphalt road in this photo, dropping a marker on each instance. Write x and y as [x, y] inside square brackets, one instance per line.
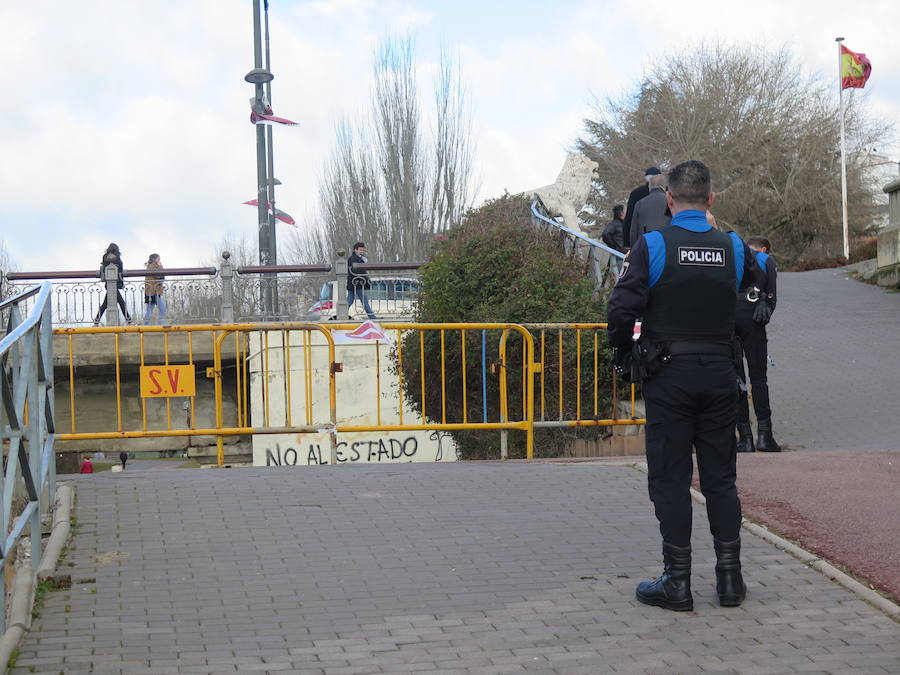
[836, 347]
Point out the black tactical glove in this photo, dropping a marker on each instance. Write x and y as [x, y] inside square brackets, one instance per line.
[622, 361]
[763, 312]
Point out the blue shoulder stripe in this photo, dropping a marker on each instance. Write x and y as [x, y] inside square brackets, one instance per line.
[656, 256]
[762, 260]
[738, 244]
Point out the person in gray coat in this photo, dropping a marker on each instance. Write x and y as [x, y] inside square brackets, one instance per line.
[651, 213]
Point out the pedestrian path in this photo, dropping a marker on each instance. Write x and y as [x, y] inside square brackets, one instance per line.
[837, 363]
[468, 567]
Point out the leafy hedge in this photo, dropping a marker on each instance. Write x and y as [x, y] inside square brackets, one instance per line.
[497, 268]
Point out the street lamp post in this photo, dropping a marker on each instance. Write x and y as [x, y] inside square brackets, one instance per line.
[273, 246]
[258, 77]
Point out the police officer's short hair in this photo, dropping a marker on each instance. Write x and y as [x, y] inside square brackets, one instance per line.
[618, 209]
[690, 182]
[358, 244]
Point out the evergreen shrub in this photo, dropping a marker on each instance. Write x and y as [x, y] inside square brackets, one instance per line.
[496, 267]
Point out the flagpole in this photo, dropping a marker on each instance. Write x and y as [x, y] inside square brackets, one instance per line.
[846, 232]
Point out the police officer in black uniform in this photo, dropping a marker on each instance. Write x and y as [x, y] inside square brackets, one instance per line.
[755, 306]
[683, 281]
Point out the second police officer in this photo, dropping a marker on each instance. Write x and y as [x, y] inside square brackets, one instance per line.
[755, 305]
[683, 281]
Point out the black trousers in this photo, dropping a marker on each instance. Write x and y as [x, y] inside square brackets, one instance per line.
[691, 404]
[119, 299]
[755, 346]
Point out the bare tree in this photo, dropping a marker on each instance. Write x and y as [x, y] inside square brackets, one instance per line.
[768, 133]
[6, 265]
[387, 182]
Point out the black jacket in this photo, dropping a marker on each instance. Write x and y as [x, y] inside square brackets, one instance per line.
[613, 235]
[117, 260]
[650, 213]
[357, 280]
[636, 195]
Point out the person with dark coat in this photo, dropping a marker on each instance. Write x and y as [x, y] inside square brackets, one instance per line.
[358, 282]
[683, 281]
[114, 256]
[636, 195]
[652, 212]
[614, 238]
[123, 457]
[613, 234]
[755, 306]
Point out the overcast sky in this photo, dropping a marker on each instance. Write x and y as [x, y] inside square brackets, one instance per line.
[128, 120]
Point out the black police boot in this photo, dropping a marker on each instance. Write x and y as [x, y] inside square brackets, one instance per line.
[673, 589]
[745, 438]
[765, 442]
[729, 581]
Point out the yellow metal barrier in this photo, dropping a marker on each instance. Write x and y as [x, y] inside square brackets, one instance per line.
[571, 384]
[574, 381]
[285, 330]
[397, 333]
[129, 349]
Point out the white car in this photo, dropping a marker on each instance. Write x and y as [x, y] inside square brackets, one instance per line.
[389, 298]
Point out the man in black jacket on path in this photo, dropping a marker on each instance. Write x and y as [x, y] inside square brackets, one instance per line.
[637, 195]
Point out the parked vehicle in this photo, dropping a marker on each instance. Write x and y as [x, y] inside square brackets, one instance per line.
[389, 297]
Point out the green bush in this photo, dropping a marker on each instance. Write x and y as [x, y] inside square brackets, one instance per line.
[497, 268]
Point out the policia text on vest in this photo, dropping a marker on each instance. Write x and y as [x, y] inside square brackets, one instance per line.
[682, 281]
[701, 256]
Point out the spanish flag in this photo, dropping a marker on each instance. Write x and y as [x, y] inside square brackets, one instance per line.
[855, 69]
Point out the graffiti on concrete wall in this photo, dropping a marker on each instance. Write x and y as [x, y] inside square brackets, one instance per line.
[357, 448]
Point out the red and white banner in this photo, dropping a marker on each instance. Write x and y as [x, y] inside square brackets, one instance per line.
[279, 214]
[367, 330]
[271, 120]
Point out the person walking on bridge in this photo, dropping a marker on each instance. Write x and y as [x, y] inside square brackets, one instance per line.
[755, 306]
[153, 291]
[358, 282]
[112, 255]
[683, 280]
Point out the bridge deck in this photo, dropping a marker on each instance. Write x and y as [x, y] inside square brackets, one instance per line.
[481, 568]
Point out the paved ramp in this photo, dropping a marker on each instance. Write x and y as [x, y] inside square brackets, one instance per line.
[481, 567]
[836, 344]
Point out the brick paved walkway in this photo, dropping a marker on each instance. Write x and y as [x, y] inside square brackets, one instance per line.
[480, 568]
[834, 341]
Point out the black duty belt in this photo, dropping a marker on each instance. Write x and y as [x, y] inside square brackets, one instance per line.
[704, 348]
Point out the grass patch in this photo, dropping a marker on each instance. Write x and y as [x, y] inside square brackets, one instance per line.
[190, 464]
[13, 657]
[56, 583]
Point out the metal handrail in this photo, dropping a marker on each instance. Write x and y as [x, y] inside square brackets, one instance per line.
[43, 292]
[577, 235]
[26, 359]
[385, 266]
[269, 269]
[88, 274]
[24, 295]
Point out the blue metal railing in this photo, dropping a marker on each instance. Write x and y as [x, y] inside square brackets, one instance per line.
[598, 255]
[26, 412]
